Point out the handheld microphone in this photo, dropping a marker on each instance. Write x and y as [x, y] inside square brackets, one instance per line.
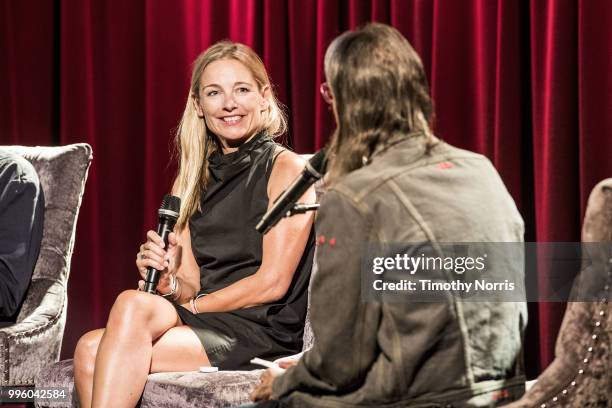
[168, 214]
[313, 171]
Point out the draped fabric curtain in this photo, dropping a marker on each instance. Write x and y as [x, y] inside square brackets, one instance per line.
[527, 83]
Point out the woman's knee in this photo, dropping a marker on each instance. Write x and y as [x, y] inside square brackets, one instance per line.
[86, 351]
[131, 309]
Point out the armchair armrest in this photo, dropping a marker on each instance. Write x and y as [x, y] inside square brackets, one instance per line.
[35, 340]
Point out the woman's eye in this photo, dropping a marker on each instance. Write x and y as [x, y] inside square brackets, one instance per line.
[212, 93]
[243, 90]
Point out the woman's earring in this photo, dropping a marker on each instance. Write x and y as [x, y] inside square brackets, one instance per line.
[365, 160]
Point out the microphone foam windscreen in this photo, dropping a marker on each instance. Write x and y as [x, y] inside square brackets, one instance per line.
[170, 202]
[319, 160]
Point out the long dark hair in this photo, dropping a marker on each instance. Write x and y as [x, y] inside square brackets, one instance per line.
[380, 91]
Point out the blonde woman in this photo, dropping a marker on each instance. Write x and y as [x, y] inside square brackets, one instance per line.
[228, 293]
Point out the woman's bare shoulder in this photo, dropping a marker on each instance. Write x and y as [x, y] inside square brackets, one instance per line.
[287, 166]
[286, 160]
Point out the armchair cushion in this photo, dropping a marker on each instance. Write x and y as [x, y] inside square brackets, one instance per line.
[31, 343]
[163, 390]
[221, 389]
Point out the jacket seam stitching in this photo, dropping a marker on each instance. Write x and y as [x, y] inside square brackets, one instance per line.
[414, 213]
[362, 210]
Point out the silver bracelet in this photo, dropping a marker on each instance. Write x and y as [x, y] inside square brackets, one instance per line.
[193, 306]
[192, 303]
[173, 286]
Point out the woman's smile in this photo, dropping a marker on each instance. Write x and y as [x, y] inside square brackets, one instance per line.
[232, 120]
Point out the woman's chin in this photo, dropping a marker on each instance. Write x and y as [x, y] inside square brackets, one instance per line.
[234, 139]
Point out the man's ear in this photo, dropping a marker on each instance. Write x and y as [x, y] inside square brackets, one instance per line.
[196, 105]
[265, 94]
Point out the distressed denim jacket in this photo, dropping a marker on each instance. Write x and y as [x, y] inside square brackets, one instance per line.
[417, 354]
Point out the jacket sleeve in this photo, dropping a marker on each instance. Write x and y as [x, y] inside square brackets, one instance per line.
[344, 326]
[21, 218]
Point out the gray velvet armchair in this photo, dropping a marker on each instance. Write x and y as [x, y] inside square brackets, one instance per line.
[35, 340]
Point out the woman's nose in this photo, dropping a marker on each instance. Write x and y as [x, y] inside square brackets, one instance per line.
[229, 103]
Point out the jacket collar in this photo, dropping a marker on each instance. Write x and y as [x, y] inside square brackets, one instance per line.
[410, 141]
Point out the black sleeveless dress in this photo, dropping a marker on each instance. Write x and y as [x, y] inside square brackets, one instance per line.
[227, 248]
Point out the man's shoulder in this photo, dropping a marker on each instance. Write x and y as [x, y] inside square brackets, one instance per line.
[15, 167]
[371, 185]
[404, 161]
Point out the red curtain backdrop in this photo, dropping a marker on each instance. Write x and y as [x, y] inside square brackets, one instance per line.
[526, 83]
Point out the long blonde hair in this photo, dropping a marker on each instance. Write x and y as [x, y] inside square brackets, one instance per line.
[194, 144]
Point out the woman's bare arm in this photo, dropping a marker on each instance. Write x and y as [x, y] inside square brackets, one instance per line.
[187, 270]
[283, 247]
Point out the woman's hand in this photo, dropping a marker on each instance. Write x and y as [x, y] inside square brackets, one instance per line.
[153, 254]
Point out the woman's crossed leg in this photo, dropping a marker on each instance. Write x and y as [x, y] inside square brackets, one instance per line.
[143, 335]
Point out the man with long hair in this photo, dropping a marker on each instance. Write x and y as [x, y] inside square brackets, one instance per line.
[391, 181]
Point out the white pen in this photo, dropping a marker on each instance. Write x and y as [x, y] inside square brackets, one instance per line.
[262, 362]
[267, 364]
